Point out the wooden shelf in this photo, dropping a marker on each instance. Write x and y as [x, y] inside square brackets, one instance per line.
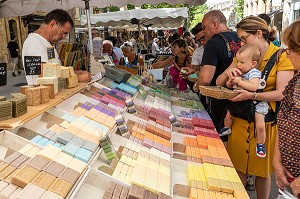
[33, 111]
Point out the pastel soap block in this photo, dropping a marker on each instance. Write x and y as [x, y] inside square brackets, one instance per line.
[49, 152]
[6, 172]
[83, 154]
[44, 180]
[12, 157]
[91, 146]
[3, 165]
[38, 162]
[77, 165]
[19, 161]
[78, 141]
[65, 137]
[24, 176]
[42, 141]
[64, 72]
[9, 190]
[31, 191]
[32, 152]
[61, 187]
[36, 139]
[72, 81]
[54, 168]
[63, 158]
[51, 195]
[69, 175]
[25, 149]
[70, 149]
[3, 185]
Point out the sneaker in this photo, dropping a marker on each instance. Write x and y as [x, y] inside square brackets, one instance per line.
[250, 184]
[224, 131]
[261, 150]
[19, 72]
[13, 74]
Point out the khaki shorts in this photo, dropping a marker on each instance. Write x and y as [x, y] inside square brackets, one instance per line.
[15, 60]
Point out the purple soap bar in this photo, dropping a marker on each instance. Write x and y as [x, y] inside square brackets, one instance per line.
[54, 168]
[38, 162]
[148, 142]
[19, 161]
[12, 157]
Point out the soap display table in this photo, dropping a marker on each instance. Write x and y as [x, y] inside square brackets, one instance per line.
[167, 147]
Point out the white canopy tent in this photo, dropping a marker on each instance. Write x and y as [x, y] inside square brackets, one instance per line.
[158, 18]
[11, 8]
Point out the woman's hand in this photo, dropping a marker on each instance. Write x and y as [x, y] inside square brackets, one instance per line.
[243, 95]
[295, 185]
[187, 73]
[281, 175]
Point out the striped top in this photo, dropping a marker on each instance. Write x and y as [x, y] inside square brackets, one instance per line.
[289, 127]
[253, 73]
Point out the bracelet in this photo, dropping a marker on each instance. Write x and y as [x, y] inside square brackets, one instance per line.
[254, 96]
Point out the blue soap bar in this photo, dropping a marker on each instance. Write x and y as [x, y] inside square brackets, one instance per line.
[70, 149]
[42, 141]
[84, 119]
[36, 139]
[56, 144]
[49, 142]
[83, 155]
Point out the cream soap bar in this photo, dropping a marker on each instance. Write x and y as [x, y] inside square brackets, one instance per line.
[63, 158]
[32, 152]
[64, 72]
[25, 149]
[49, 152]
[49, 80]
[31, 191]
[10, 189]
[72, 81]
[51, 70]
[51, 195]
[77, 165]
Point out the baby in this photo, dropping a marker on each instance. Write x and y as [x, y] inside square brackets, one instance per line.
[247, 59]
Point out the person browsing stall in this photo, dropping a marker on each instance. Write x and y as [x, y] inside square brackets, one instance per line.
[286, 161]
[56, 26]
[129, 58]
[108, 48]
[242, 140]
[248, 78]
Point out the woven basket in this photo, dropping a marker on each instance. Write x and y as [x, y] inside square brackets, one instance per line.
[218, 92]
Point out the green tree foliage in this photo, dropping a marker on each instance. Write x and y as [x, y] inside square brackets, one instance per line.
[239, 9]
[130, 7]
[113, 8]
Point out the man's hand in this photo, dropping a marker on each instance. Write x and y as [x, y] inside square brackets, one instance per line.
[295, 185]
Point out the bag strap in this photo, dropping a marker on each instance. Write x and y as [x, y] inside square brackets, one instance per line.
[273, 59]
[227, 44]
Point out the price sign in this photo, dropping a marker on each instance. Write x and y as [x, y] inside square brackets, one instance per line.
[50, 52]
[32, 65]
[3, 74]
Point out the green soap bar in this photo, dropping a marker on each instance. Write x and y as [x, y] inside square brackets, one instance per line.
[107, 150]
[109, 153]
[106, 147]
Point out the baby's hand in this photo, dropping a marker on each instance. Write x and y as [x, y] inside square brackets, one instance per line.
[237, 79]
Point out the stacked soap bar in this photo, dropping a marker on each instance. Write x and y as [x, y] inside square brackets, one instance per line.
[150, 136]
[210, 150]
[135, 80]
[8, 190]
[195, 114]
[125, 166]
[214, 177]
[196, 193]
[121, 125]
[157, 115]
[184, 95]
[137, 192]
[114, 190]
[49, 81]
[62, 83]
[193, 104]
[127, 88]
[108, 149]
[5, 110]
[51, 70]
[152, 171]
[158, 103]
[19, 104]
[109, 83]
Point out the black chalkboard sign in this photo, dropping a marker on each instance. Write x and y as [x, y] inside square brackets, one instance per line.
[50, 52]
[32, 65]
[3, 74]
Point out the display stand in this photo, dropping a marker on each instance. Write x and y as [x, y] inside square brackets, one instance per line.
[33, 111]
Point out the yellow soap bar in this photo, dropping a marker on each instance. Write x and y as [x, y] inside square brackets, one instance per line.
[24, 176]
[32, 152]
[193, 193]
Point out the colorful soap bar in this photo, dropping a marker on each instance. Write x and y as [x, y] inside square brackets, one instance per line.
[83, 154]
[24, 176]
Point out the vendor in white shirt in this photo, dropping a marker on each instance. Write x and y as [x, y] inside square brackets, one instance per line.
[56, 26]
[155, 47]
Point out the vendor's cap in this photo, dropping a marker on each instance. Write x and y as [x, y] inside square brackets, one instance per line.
[155, 40]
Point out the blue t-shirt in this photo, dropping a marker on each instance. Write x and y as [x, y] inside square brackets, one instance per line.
[252, 74]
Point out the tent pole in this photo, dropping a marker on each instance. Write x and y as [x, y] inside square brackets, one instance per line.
[139, 46]
[147, 35]
[87, 9]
